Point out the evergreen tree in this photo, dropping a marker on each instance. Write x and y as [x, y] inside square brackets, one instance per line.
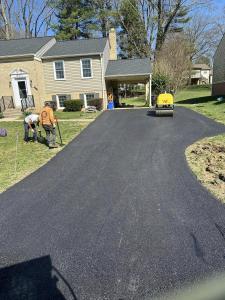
[75, 19]
[104, 16]
[132, 36]
[171, 17]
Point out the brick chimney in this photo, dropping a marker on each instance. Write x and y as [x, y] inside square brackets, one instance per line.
[113, 44]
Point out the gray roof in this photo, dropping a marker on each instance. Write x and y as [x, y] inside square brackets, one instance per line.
[125, 67]
[77, 47]
[22, 46]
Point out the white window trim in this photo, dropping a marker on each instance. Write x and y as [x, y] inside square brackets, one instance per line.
[58, 103]
[81, 68]
[63, 70]
[85, 99]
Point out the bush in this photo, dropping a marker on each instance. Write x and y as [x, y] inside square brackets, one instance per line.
[73, 105]
[160, 83]
[98, 103]
[26, 113]
[1, 115]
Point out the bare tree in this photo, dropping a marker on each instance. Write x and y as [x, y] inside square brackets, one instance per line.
[6, 7]
[173, 60]
[33, 17]
[27, 18]
[161, 17]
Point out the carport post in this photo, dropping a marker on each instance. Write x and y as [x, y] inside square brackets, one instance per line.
[150, 90]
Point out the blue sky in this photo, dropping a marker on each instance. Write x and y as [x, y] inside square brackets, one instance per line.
[219, 3]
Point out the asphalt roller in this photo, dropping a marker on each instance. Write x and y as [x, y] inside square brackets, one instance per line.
[164, 105]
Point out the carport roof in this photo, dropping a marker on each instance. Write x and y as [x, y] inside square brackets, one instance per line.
[128, 67]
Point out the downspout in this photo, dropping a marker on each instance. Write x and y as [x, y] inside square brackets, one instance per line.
[150, 90]
[103, 83]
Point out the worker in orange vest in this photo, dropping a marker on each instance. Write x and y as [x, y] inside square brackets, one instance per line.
[48, 122]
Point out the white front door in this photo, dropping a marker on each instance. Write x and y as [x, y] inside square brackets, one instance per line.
[21, 87]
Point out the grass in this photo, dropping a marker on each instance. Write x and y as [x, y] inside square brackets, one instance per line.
[29, 156]
[75, 115]
[206, 158]
[198, 98]
[135, 101]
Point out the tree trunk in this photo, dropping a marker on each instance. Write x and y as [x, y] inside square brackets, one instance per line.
[5, 20]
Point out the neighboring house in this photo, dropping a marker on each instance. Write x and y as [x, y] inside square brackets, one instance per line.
[201, 74]
[39, 69]
[218, 87]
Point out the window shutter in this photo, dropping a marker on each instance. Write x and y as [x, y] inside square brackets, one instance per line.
[81, 96]
[96, 95]
[54, 98]
[68, 97]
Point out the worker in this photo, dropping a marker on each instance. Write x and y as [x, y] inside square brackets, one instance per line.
[48, 122]
[31, 122]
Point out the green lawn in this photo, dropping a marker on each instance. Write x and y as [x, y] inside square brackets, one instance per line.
[206, 157]
[198, 98]
[135, 101]
[75, 115]
[29, 156]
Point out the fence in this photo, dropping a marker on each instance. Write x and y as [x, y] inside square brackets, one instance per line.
[27, 102]
[6, 102]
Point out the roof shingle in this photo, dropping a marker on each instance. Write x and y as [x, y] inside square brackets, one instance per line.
[22, 46]
[77, 47]
[124, 67]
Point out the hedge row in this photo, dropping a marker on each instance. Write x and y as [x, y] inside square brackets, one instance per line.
[76, 105]
[73, 105]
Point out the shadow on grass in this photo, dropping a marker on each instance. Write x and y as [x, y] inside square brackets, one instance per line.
[33, 280]
[197, 100]
[219, 102]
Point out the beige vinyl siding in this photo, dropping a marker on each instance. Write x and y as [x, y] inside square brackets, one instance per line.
[73, 83]
[219, 63]
[33, 68]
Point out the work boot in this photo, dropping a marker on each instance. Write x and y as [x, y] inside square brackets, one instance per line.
[51, 146]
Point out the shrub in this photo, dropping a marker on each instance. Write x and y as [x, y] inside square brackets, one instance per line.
[26, 113]
[1, 115]
[73, 105]
[98, 103]
[160, 83]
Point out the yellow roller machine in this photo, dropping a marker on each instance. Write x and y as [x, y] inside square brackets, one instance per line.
[164, 105]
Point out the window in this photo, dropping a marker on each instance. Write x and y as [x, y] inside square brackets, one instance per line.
[86, 68]
[61, 100]
[59, 70]
[87, 98]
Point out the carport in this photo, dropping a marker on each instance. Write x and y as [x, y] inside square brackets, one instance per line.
[128, 71]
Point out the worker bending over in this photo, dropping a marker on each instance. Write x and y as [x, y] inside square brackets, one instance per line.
[31, 122]
[48, 122]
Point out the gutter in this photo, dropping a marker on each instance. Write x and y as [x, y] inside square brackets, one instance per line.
[72, 55]
[124, 75]
[15, 56]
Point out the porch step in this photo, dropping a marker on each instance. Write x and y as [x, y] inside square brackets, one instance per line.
[12, 113]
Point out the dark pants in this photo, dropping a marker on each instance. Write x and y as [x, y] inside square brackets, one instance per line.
[26, 132]
[50, 134]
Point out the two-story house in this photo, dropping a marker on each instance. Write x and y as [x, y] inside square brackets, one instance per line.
[201, 74]
[218, 86]
[41, 69]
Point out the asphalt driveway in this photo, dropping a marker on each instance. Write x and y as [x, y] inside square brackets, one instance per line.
[116, 215]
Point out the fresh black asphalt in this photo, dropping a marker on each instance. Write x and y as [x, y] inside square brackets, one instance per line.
[116, 215]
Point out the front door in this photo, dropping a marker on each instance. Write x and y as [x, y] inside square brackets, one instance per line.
[20, 85]
[22, 89]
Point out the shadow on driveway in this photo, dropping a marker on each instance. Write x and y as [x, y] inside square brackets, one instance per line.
[35, 279]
